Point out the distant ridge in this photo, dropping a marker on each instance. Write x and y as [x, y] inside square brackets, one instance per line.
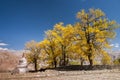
[8, 60]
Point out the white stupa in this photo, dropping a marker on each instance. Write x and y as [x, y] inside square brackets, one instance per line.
[22, 66]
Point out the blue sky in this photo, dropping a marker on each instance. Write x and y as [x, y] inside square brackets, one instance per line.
[25, 20]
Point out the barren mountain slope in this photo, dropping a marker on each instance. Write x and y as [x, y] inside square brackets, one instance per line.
[8, 60]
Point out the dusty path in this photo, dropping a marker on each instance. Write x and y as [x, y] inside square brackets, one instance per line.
[101, 76]
[65, 75]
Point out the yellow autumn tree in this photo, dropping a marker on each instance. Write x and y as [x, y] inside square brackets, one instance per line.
[51, 48]
[33, 53]
[117, 61]
[93, 31]
[77, 52]
[86, 39]
[63, 35]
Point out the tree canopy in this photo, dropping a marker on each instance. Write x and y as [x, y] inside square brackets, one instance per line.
[87, 38]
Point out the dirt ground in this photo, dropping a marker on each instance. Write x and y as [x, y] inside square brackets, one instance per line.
[65, 75]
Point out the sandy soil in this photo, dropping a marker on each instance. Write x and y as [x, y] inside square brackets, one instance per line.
[65, 75]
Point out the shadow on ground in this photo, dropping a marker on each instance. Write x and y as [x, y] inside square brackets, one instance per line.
[79, 67]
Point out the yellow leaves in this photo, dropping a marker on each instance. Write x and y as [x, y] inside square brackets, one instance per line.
[91, 15]
[106, 45]
[97, 30]
[53, 33]
[93, 30]
[30, 44]
[33, 47]
[33, 53]
[112, 22]
[85, 48]
[83, 16]
[59, 27]
[90, 29]
[80, 14]
[100, 40]
[88, 36]
[117, 61]
[96, 12]
[45, 41]
[68, 31]
[50, 34]
[106, 60]
[63, 34]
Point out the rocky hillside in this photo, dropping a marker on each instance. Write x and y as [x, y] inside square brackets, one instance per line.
[8, 60]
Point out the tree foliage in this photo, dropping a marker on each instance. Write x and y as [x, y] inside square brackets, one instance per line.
[94, 31]
[86, 39]
[117, 61]
[33, 53]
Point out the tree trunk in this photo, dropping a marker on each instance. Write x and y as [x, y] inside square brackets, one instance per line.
[63, 55]
[64, 58]
[55, 62]
[90, 60]
[81, 60]
[35, 65]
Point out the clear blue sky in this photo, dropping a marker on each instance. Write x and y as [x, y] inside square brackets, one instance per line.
[25, 20]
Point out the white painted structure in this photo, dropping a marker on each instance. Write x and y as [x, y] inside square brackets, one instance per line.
[22, 66]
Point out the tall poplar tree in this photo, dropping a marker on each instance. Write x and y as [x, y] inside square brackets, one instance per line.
[94, 30]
